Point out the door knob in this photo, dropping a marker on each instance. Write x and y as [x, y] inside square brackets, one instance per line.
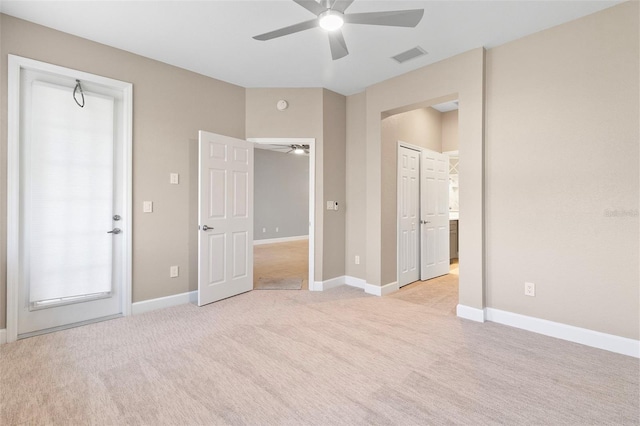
[206, 228]
[115, 231]
[424, 222]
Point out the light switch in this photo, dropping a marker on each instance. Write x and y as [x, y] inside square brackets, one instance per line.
[174, 178]
[173, 271]
[332, 205]
[147, 206]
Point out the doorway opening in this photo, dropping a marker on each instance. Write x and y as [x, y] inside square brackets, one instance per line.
[284, 210]
[69, 198]
[427, 194]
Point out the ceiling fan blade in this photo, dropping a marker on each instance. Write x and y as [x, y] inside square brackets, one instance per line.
[306, 25]
[312, 6]
[392, 18]
[338, 45]
[341, 5]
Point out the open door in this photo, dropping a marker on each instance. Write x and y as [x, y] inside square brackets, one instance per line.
[225, 217]
[434, 211]
[408, 215]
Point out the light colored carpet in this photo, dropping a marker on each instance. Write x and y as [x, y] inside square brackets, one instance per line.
[282, 260]
[305, 358]
[278, 284]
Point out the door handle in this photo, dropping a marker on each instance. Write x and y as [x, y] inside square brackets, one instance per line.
[424, 222]
[206, 228]
[115, 231]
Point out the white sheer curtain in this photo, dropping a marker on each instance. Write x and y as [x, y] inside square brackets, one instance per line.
[69, 194]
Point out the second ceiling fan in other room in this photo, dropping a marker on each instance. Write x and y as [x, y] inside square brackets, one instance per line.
[330, 15]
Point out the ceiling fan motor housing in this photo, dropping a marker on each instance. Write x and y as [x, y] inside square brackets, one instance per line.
[330, 15]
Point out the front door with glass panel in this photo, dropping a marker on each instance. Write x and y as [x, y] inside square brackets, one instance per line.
[72, 223]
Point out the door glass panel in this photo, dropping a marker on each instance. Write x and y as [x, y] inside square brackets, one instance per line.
[68, 195]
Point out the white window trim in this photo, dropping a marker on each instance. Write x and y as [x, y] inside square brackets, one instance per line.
[16, 64]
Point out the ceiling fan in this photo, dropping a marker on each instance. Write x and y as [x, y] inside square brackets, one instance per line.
[288, 149]
[298, 149]
[331, 16]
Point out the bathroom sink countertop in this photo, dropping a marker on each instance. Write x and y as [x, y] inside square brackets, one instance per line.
[453, 215]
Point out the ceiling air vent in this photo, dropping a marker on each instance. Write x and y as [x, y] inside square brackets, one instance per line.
[409, 54]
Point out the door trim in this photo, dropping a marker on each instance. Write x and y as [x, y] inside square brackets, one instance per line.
[16, 64]
[312, 192]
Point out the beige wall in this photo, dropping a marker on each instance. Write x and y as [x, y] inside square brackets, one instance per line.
[170, 105]
[334, 182]
[450, 131]
[319, 114]
[356, 181]
[561, 150]
[422, 127]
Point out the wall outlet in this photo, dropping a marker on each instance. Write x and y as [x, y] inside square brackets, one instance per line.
[357, 260]
[264, 230]
[277, 229]
[174, 178]
[173, 271]
[529, 289]
[147, 206]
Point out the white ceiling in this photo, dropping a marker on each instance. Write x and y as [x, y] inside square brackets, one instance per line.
[214, 37]
[446, 106]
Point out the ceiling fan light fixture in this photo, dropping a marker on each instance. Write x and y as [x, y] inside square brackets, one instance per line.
[298, 150]
[331, 20]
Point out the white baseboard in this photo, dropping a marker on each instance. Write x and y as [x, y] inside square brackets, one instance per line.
[163, 302]
[473, 314]
[377, 290]
[3, 336]
[355, 282]
[327, 284]
[595, 339]
[280, 240]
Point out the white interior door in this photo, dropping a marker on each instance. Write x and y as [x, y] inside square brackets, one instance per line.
[434, 200]
[408, 215]
[71, 181]
[225, 238]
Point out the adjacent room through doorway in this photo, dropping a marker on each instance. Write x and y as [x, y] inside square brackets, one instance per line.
[281, 220]
[426, 145]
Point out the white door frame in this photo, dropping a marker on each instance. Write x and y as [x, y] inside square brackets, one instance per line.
[312, 190]
[401, 144]
[16, 64]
